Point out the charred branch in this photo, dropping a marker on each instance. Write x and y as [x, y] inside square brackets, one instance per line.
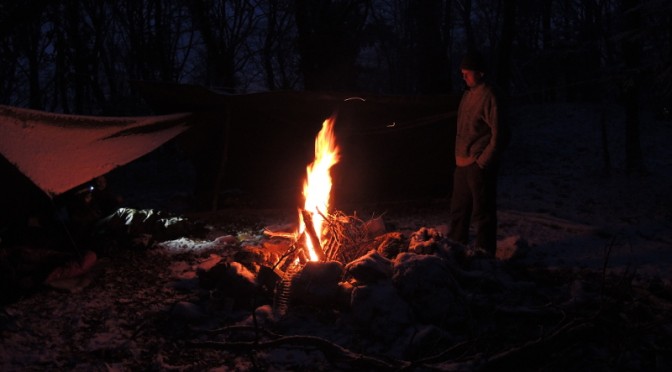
[312, 234]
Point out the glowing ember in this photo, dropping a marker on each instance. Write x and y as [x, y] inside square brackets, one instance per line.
[317, 186]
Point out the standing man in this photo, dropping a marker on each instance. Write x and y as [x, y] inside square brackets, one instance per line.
[477, 147]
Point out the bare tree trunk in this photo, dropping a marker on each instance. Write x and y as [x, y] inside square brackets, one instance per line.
[32, 51]
[277, 51]
[605, 144]
[77, 53]
[505, 45]
[223, 161]
[97, 13]
[632, 50]
[546, 30]
[25, 21]
[429, 49]
[60, 67]
[448, 41]
[592, 33]
[224, 32]
[465, 11]
[269, 42]
[550, 80]
[329, 37]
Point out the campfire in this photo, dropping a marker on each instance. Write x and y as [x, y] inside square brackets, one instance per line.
[322, 234]
[324, 240]
[317, 190]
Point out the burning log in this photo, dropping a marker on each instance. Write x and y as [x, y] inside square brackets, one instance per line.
[312, 234]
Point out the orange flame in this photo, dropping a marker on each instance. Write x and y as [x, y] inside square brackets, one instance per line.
[317, 186]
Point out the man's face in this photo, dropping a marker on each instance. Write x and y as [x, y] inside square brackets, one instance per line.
[471, 77]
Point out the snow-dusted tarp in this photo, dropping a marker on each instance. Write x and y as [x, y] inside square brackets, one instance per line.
[59, 152]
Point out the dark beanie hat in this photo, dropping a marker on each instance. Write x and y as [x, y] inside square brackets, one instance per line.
[473, 61]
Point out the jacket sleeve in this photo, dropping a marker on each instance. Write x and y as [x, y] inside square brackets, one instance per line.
[491, 118]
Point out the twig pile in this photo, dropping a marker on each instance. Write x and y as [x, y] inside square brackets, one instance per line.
[345, 237]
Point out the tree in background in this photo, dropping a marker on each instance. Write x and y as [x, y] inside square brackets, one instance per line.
[26, 44]
[631, 46]
[278, 59]
[329, 40]
[428, 46]
[505, 46]
[78, 30]
[79, 56]
[224, 28]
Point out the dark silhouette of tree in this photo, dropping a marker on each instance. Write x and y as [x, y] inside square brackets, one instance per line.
[225, 27]
[329, 39]
[278, 45]
[79, 56]
[464, 7]
[78, 35]
[390, 68]
[8, 54]
[27, 43]
[447, 30]
[428, 46]
[590, 35]
[152, 31]
[547, 44]
[413, 42]
[504, 50]
[631, 46]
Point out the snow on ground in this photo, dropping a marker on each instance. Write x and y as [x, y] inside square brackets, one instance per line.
[554, 192]
[553, 196]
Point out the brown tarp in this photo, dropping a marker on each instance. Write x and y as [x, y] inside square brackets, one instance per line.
[392, 146]
[59, 152]
[46, 156]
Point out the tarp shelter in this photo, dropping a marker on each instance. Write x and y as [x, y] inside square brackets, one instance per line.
[391, 146]
[58, 152]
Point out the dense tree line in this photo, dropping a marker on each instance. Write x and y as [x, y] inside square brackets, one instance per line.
[79, 56]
